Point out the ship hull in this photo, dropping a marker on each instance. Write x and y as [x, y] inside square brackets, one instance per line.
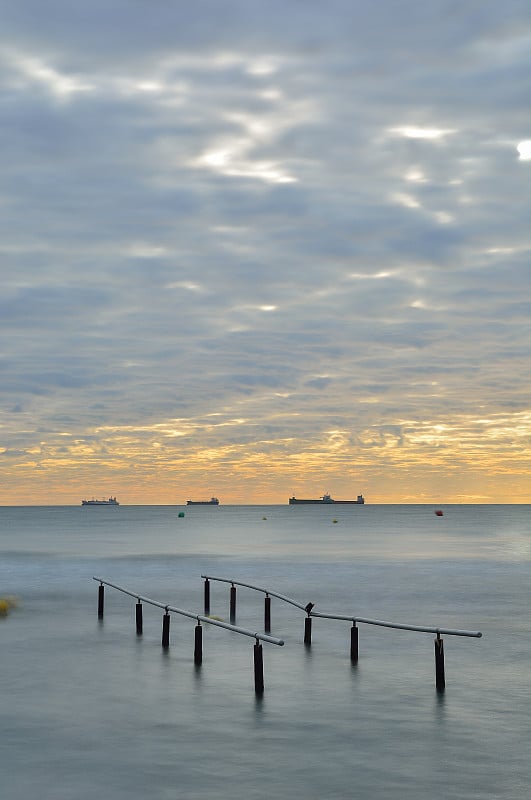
[293, 501]
[100, 503]
[327, 500]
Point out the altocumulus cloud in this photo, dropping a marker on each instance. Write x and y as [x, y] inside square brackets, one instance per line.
[249, 246]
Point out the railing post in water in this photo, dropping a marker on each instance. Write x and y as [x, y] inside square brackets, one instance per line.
[440, 682]
[207, 597]
[232, 604]
[101, 600]
[354, 643]
[198, 644]
[258, 668]
[166, 629]
[139, 618]
[267, 614]
[308, 624]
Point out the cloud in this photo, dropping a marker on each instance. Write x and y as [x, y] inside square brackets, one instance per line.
[267, 222]
[524, 150]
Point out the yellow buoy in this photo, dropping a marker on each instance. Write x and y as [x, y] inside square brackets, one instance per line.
[6, 603]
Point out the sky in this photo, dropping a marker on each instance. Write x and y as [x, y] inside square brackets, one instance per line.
[256, 248]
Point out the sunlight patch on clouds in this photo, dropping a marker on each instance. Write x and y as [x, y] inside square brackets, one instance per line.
[60, 84]
[233, 162]
[408, 201]
[230, 423]
[443, 217]
[405, 200]
[132, 86]
[188, 286]
[221, 60]
[372, 276]
[258, 128]
[262, 67]
[415, 176]
[146, 250]
[169, 429]
[337, 439]
[233, 156]
[500, 251]
[463, 432]
[229, 229]
[247, 313]
[215, 159]
[237, 327]
[524, 150]
[412, 132]
[271, 94]
[149, 86]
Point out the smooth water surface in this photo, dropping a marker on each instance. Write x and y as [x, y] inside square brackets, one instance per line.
[91, 709]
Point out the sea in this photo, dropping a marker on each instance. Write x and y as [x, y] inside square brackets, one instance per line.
[91, 709]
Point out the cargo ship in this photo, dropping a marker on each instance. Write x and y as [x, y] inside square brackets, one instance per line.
[326, 499]
[111, 501]
[212, 502]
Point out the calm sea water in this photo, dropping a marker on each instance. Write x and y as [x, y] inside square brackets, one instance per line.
[89, 709]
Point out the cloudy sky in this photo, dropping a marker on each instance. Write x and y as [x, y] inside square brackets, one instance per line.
[253, 248]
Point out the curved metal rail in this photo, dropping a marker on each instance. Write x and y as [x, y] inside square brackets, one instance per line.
[267, 592]
[264, 637]
[308, 608]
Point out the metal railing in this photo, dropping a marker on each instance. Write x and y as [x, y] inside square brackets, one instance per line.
[258, 636]
[400, 625]
[308, 608]
[355, 619]
[264, 637]
[267, 592]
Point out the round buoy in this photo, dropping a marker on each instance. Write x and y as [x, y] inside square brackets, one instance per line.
[438, 513]
[181, 513]
[334, 520]
[6, 604]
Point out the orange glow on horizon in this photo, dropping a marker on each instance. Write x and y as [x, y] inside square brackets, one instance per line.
[459, 460]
